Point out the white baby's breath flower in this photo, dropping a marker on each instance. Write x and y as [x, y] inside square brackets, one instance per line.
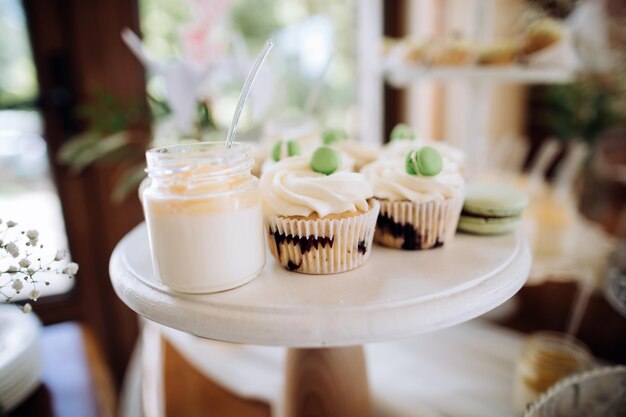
[17, 284]
[71, 268]
[13, 249]
[27, 272]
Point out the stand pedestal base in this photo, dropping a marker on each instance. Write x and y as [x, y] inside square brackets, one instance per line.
[326, 382]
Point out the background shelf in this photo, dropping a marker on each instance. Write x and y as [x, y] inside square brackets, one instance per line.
[404, 76]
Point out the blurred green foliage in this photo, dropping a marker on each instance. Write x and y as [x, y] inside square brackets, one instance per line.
[256, 20]
[581, 110]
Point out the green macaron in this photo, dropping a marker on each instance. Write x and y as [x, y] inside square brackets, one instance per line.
[288, 148]
[325, 160]
[492, 209]
[426, 162]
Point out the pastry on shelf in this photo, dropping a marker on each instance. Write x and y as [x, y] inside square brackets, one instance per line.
[320, 219]
[451, 52]
[420, 199]
[407, 51]
[388, 44]
[500, 53]
[548, 44]
[542, 34]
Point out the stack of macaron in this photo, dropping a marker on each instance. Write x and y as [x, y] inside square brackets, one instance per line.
[492, 209]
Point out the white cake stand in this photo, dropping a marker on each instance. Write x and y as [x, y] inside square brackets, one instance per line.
[396, 294]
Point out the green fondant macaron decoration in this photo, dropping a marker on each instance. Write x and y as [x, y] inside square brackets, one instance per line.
[425, 161]
[325, 160]
[402, 131]
[292, 148]
[492, 209]
[332, 136]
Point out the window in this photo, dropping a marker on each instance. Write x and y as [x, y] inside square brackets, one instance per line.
[307, 35]
[27, 193]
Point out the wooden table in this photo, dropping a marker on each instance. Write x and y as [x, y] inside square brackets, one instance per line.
[76, 381]
[189, 393]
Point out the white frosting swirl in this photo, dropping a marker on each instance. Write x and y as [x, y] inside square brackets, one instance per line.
[390, 181]
[453, 158]
[292, 188]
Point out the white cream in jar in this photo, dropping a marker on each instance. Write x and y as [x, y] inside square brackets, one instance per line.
[204, 216]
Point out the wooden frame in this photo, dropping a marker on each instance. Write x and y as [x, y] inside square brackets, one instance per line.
[77, 50]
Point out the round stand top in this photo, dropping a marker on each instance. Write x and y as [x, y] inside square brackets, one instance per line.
[395, 294]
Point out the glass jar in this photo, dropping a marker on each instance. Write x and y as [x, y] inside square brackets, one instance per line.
[203, 211]
[546, 358]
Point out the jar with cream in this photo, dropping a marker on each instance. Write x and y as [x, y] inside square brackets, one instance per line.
[546, 358]
[204, 217]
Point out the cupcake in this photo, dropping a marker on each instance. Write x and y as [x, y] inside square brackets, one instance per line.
[403, 139]
[542, 34]
[420, 199]
[361, 153]
[319, 219]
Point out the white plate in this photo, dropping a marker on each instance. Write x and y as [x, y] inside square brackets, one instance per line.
[21, 389]
[17, 332]
[20, 355]
[27, 362]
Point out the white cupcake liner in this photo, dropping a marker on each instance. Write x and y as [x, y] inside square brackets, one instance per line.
[413, 226]
[323, 246]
